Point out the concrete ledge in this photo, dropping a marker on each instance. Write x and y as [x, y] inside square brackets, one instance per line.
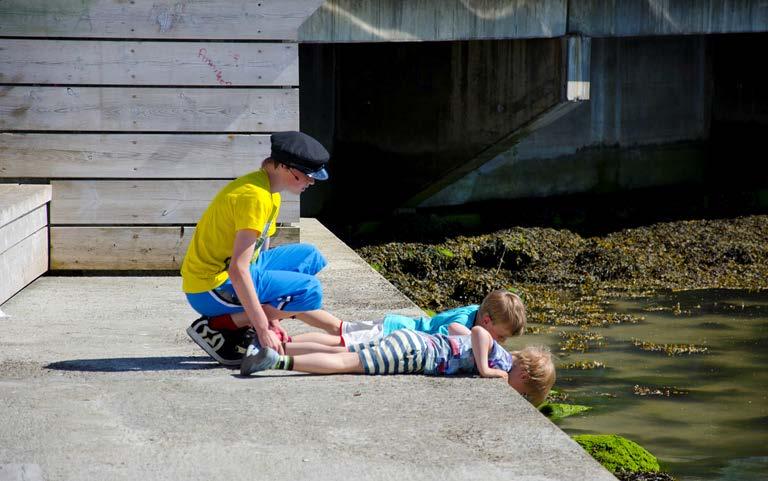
[23, 235]
[99, 381]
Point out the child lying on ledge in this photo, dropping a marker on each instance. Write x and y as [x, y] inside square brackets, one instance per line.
[530, 372]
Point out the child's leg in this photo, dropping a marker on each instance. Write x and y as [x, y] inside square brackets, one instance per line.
[303, 258]
[326, 363]
[298, 348]
[316, 318]
[315, 363]
[320, 319]
[319, 338]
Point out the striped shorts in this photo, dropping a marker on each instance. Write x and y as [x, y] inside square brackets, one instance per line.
[403, 351]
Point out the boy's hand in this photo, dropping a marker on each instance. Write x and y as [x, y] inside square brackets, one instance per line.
[493, 373]
[269, 339]
[275, 327]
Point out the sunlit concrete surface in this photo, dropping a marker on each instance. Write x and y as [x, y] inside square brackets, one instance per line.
[98, 381]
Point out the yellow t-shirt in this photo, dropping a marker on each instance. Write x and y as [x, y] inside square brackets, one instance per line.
[244, 203]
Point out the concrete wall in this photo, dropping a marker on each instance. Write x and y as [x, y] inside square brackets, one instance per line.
[409, 21]
[609, 18]
[432, 20]
[408, 113]
[644, 126]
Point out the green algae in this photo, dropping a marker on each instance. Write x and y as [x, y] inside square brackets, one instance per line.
[582, 365]
[556, 411]
[556, 396]
[670, 349]
[658, 391]
[580, 341]
[617, 454]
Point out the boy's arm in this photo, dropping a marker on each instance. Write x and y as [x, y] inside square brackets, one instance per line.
[240, 275]
[482, 343]
[456, 329]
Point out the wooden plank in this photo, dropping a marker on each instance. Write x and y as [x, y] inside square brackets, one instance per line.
[148, 109]
[110, 202]
[186, 19]
[23, 227]
[18, 200]
[130, 248]
[68, 62]
[147, 156]
[23, 263]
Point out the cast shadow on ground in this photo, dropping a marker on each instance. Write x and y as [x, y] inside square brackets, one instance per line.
[128, 364]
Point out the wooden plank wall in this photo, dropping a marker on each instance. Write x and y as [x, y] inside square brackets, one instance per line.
[138, 112]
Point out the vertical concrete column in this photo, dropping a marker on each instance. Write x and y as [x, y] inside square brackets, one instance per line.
[579, 50]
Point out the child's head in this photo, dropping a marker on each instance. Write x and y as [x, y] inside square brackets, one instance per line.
[502, 314]
[533, 373]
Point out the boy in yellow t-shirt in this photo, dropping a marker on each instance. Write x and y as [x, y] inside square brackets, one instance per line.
[229, 274]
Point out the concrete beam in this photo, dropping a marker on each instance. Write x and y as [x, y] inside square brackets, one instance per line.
[489, 158]
[644, 126]
[618, 18]
[339, 21]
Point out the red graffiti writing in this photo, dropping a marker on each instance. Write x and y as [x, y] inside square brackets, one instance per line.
[203, 55]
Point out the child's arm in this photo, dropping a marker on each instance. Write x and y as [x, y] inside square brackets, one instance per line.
[482, 343]
[457, 329]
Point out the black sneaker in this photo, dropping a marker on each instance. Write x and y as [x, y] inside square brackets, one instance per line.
[226, 347]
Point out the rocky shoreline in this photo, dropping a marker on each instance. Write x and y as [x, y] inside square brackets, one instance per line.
[565, 278]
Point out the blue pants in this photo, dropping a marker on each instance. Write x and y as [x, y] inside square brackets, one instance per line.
[284, 277]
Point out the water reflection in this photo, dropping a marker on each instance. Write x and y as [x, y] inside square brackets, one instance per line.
[704, 415]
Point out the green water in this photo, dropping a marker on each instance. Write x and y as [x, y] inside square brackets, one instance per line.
[719, 429]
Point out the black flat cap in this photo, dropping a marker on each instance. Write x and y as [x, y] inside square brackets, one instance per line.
[300, 151]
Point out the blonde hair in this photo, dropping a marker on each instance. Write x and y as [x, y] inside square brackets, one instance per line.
[537, 363]
[505, 309]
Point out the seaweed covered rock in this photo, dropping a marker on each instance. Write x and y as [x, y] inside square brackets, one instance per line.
[605, 263]
[504, 251]
[643, 476]
[472, 286]
[618, 454]
[727, 253]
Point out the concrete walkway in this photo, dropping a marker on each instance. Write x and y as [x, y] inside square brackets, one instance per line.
[98, 381]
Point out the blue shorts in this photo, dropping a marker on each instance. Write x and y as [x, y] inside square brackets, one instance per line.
[284, 277]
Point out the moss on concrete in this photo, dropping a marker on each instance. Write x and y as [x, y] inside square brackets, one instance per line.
[618, 454]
